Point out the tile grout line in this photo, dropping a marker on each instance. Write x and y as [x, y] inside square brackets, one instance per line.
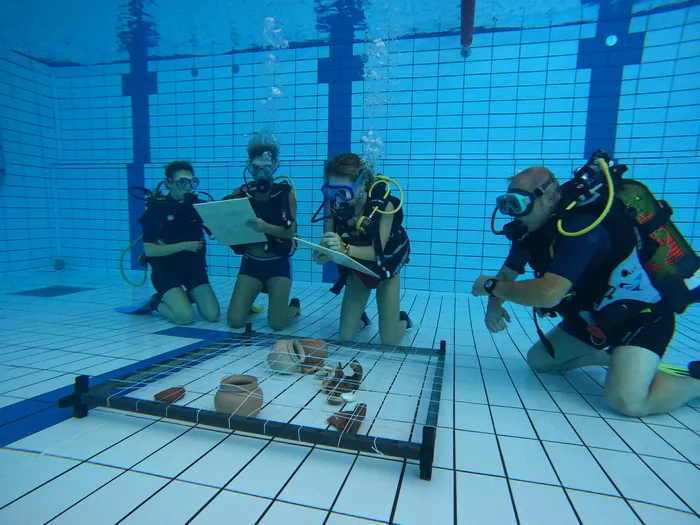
[498, 443]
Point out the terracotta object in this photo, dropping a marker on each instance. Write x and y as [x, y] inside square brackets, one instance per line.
[311, 365]
[315, 348]
[341, 384]
[170, 395]
[335, 399]
[349, 422]
[286, 356]
[324, 372]
[239, 395]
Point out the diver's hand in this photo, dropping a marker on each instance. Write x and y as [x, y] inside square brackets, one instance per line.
[496, 318]
[320, 258]
[192, 246]
[478, 290]
[258, 225]
[332, 241]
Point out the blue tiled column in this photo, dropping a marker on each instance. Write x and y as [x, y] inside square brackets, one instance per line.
[138, 84]
[339, 71]
[606, 64]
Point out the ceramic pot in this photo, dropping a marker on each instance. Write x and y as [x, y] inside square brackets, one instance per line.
[315, 348]
[286, 356]
[239, 395]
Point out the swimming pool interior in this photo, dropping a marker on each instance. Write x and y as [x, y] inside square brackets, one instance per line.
[450, 100]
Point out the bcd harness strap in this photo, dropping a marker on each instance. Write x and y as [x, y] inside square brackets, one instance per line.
[371, 224]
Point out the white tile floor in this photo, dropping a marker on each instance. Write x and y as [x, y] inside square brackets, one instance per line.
[513, 446]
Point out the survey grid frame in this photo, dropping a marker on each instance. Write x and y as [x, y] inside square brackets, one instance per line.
[113, 394]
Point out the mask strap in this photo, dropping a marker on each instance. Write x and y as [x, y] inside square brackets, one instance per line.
[315, 216]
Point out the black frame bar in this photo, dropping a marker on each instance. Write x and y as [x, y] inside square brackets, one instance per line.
[113, 394]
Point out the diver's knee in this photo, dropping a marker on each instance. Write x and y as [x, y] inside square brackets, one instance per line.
[183, 317]
[539, 359]
[276, 322]
[627, 403]
[347, 334]
[390, 337]
[235, 320]
[212, 316]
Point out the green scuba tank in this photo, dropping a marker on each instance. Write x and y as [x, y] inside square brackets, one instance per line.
[673, 259]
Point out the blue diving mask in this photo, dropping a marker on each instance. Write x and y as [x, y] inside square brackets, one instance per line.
[342, 193]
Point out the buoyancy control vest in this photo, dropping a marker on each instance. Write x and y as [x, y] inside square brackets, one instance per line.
[395, 254]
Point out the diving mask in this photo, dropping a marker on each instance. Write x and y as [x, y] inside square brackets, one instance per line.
[262, 170]
[186, 184]
[518, 203]
[341, 192]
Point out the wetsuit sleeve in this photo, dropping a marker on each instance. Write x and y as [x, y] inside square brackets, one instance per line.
[149, 226]
[572, 255]
[517, 258]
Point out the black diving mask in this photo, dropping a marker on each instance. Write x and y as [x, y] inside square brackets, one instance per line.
[262, 172]
[517, 203]
[186, 184]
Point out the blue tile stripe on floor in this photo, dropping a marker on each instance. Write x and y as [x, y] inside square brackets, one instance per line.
[27, 417]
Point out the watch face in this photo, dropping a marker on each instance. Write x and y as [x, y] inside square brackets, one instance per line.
[489, 285]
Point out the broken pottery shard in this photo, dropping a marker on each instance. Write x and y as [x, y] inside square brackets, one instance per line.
[341, 384]
[311, 365]
[335, 399]
[171, 395]
[349, 422]
[357, 376]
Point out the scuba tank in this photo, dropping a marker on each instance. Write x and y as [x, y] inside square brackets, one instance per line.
[673, 259]
[668, 259]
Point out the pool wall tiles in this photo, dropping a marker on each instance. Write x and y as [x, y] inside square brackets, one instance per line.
[454, 130]
[28, 235]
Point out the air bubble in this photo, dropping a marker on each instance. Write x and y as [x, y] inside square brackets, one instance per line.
[273, 34]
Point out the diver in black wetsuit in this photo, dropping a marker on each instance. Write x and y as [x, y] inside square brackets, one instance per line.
[174, 243]
[596, 275]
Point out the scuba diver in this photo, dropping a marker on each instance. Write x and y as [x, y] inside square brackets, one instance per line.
[175, 247]
[609, 261]
[266, 267]
[365, 224]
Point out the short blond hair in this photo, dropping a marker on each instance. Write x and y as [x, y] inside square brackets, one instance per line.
[261, 142]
